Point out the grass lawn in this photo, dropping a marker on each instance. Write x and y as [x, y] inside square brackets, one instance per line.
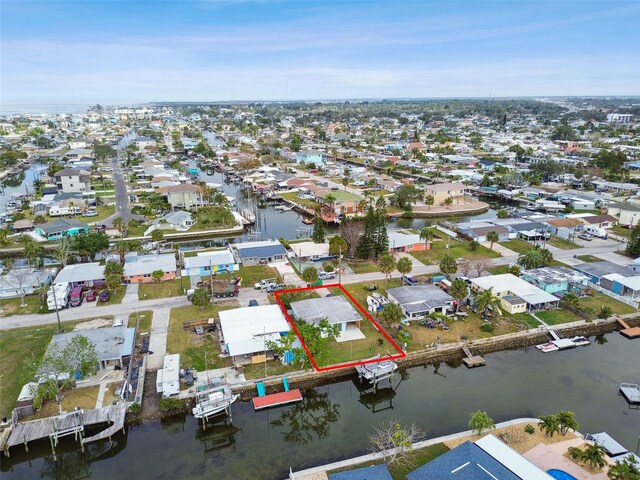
[168, 288]
[366, 266]
[305, 202]
[622, 231]
[146, 316]
[252, 275]
[12, 306]
[562, 243]
[554, 317]
[375, 343]
[114, 297]
[517, 245]
[359, 290]
[498, 269]
[84, 398]
[189, 345]
[421, 457]
[588, 258]
[104, 211]
[138, 231]
[274, 367]
[457, 249]
[599, 300]
[526, 319]
[18, 349]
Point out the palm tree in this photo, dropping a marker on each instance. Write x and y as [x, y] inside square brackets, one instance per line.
[546, 255]
[345, 182]
[448, 265]
[404, 266]
[34, 252]
[486, 300]
[448, 202]
[531, 259]
[567, 422]
[549, 425]
[459, 290]
[426, 234]
[429, 201]
[387, 265]
[593, 456]
[515, 270]
[391, 313]
[309, 274]
[492, 237]
[624, 470]
[479, 421]
[118, 223]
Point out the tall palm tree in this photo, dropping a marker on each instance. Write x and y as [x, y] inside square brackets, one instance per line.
[429, 201]
[404, 266]
[593, 456]
[426, 234]
[492, 237]
[487, 300]
[549, 425]
[479, 421]
[623, 470]
[387, 265]
[448, 265]
[567, 422]
[459, 290]
[391, 313]
[531, 259]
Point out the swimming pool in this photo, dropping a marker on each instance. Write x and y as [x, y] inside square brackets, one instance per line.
[560, 475]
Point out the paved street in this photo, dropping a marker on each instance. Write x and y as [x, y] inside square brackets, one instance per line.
[123, 208]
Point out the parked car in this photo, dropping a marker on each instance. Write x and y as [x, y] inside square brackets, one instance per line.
[90, 213]
[275, 287]
[103, 296]
[585, 236]
[264, 283]
[253, 303]
[409, 280]
[90, 296]
[322, 275]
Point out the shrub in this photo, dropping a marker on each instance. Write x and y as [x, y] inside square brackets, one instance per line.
[488, 327]
[171, 404]
[575, 453]
[135, 408]
[605, 312]
[529, 429]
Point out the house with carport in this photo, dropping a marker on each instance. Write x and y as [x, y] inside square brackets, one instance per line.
[516, 295]
[418, 301]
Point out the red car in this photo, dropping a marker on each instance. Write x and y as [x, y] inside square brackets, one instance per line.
[91, 296]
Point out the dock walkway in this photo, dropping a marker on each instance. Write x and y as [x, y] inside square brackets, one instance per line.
[472, 360]
[627, 331]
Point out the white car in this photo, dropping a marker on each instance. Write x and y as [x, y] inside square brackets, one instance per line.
[90, 213]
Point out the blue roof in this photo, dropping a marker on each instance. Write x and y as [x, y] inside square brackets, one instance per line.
[261, 251]
[374, 472]
[467, 462]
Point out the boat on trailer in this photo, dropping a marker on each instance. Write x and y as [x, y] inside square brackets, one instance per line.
[547, 347]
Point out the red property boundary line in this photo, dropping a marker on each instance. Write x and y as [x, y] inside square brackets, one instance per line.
[400, 353]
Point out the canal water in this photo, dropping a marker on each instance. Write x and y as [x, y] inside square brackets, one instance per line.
[21, 184]
[334, 421]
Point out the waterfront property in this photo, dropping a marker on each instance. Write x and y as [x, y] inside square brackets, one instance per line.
[556, 279]
[246, 331]
[336, 310]
[206, 262]
[259, 253]
[61, 227]
[179, 220]
[140, 268]
[405, 241]
[82, 275]
[72, 180]
[168, 377]
[610, 276]
[312, 156]
[516, 295]
[418, 301]
[442, 191]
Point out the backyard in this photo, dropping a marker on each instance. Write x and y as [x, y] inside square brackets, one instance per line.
[599, 300]
[191, 346]
[444, 245]
[274, 367]
[210, 218]
[84, 398]
[169, 288]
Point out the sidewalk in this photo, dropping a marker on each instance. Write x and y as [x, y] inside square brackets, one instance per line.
[158, 338]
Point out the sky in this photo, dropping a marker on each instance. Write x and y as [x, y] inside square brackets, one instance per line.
[118, 51]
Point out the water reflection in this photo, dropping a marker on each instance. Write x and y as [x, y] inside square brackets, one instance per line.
[311, 417]
[218, 440]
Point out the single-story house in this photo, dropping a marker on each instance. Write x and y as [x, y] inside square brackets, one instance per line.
[420, 300]
[627, 213]
[512, 291]
[563, 227]
[114, 345]
[61, 227]
[597, 270]
[479, 233]
[556, 279]
[82, 275]
[372, 472]
[622, 285]
[336, 310]
[139, 268]
[404, 241]
[259, 253]
[23, 281]
[530, 230]
[23, 225]
[599, 221]
[247, 330]
[179, 220]
[311, 251]
[204, 262]
[634, 265]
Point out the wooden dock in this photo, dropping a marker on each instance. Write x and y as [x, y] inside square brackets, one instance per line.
[71, 423]
[472, 361]
[276, 399]
[627, 331]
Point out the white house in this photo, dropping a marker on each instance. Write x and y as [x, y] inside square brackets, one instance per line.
[72, 180]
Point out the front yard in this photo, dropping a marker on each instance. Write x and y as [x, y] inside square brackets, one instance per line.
[517, 245]
[191, 346]
[456, 249]
[168, 288]
[115, 297]
[363, 266]
[13, 306]
[252, 275]
[145, 318]
[562, 243]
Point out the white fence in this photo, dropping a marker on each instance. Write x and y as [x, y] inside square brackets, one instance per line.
[609, 293]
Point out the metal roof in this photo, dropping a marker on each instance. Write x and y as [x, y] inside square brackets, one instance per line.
[554, 275]
[80, 272]
[510, 459]
[263, 249]
[204, 259]
[600, 269]
[111, 343]
[418, 298]
[607, 442]
[246, 329]
[507, 282]
[334, 309]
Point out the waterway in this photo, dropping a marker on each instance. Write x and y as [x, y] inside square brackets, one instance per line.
[335, 420]
[21, 183]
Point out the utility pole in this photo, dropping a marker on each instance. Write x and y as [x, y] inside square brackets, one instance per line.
[55, 304]
[211, 280]
[340, 266]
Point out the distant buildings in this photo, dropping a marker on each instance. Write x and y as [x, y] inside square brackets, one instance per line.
[312, 156]
[619, 117]
[71, 180]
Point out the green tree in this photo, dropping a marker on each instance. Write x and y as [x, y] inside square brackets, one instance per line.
[448, 201]
[426, 234]
[338, 245]
[157, 235]
[391, 314]
[394, 442]
[345, 182]
[448, 265]
[594, 456]
[487, 300]
[295, 143]
[633, 246]
[479, 421]
[503, 213]
[531, 259]
[429, 201]
[57, 369]
[318, 228]
[623, 470]
[310, 274]
[201, 298]
[605, 312]
[387, 265]
[157, 275]
[492, 237]
[474, 245]
[566, 422]
[4, 236]
[113, 268]
[63, 251]
[118, 224]
[404, 266]
[459, 290]
[549, 425]
[34, 252]
[113, 282]
[514, 270]
[90, 244]
[316, 337]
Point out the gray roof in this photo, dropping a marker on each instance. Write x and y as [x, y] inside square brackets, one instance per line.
[61, 225]
[111, 343]
[267, 248]
[334, 309]
[600, 269]
[177, 218]
[554, 275]
[81, 272]
[135, 264]
[612, 447]
[419, 298]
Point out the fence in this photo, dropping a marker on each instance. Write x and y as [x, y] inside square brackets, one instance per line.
[609, 293]
[451, 233]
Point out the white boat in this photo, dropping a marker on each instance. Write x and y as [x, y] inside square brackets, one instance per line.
[563, 343]
[212, 401]
[547, 347]
[374, 372]
[580, 341]
[248, 215]
[373, 304]
[382, 301]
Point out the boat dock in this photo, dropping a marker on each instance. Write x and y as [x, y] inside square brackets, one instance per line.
[376, 372]
[627, 331]
[631, 393]
[275, 399]
[472, 361]
[72, 423]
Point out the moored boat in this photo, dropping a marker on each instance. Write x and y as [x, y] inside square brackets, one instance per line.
[547, 347]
